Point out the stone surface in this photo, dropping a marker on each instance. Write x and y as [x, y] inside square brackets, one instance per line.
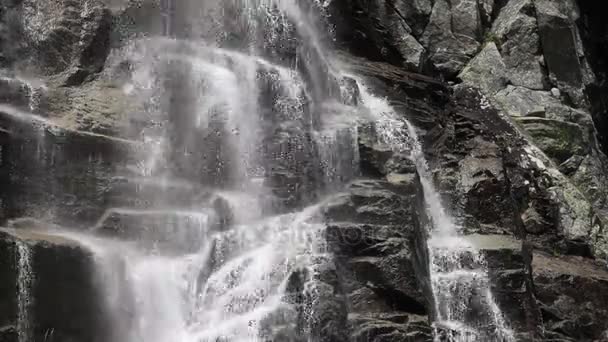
[520, 101]
[560, 140]
[508, 262]
[70, 37]
[516, 32]
[64, 285]
[44, 163]
[374, 232]
[411, 50]
[520, 168]
[592, 29]
[559, 40]
[572, 294]
[94, 107]
[382, 30]
[452, 38]
[487, 71]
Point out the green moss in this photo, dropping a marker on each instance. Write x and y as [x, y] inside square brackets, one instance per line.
[491, 37]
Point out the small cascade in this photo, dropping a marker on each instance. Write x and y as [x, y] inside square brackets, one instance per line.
[26, 94]
[464, 302]
[264, 135]
[25, 280]
[232, 288]
[242, 118]
[465, 310]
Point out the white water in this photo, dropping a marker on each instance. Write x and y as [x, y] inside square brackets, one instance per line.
[465, 309]
[229, 284]
[223, 291]
[173, 274]
[34, 90]
[25, 279]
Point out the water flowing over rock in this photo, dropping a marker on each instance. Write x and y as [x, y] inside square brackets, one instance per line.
[322, 171]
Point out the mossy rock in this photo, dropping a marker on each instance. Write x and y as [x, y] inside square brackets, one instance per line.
[560, 140]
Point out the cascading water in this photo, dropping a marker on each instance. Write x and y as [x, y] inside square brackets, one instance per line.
[264, 137]
[238, 100]
[25, 278]
[465, 310]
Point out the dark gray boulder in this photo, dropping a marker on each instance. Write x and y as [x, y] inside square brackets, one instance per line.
[48, 166]
[571, 292]
[60, 284]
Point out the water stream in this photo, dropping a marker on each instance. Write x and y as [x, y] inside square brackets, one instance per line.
[465, 309]
[261, 120]
[248, 128]
[25, 279]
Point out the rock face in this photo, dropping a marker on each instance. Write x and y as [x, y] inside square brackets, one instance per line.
[509, 97]
[45, 164]
[59, 282]
[570, 290]
[378, 243]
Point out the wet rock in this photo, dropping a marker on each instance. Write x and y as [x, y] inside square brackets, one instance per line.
[569, 114]
[374, 155]
[591, 177]
[425, 95]
[411, 50]
[451, 38]
[372, 202]
[63, 288]
[521, 101]
[329, 324]
[377, 257]
[570, 217]
[558, 139]
[561, 213]
[570, 165]
[47, 166]
[134, 17]
[508, 261]
[98, 107]
[484, 185]
[486, 11]
[516, 32]
[390, 276]
[163, 229]
[467, 162]
[466, 18]
[487, 71]
[414, 13]
[24, 95]
[572, 296]
[592, 29]
[558, 36]
[72, 38]
[390, 328]
[384, 30]
[9, 334]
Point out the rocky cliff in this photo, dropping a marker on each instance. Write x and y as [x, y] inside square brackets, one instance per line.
[510, 97]
[516, 135]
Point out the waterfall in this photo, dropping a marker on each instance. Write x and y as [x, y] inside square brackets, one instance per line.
[25, 279]
[465, 310]
[264, 135]
[244, 128]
